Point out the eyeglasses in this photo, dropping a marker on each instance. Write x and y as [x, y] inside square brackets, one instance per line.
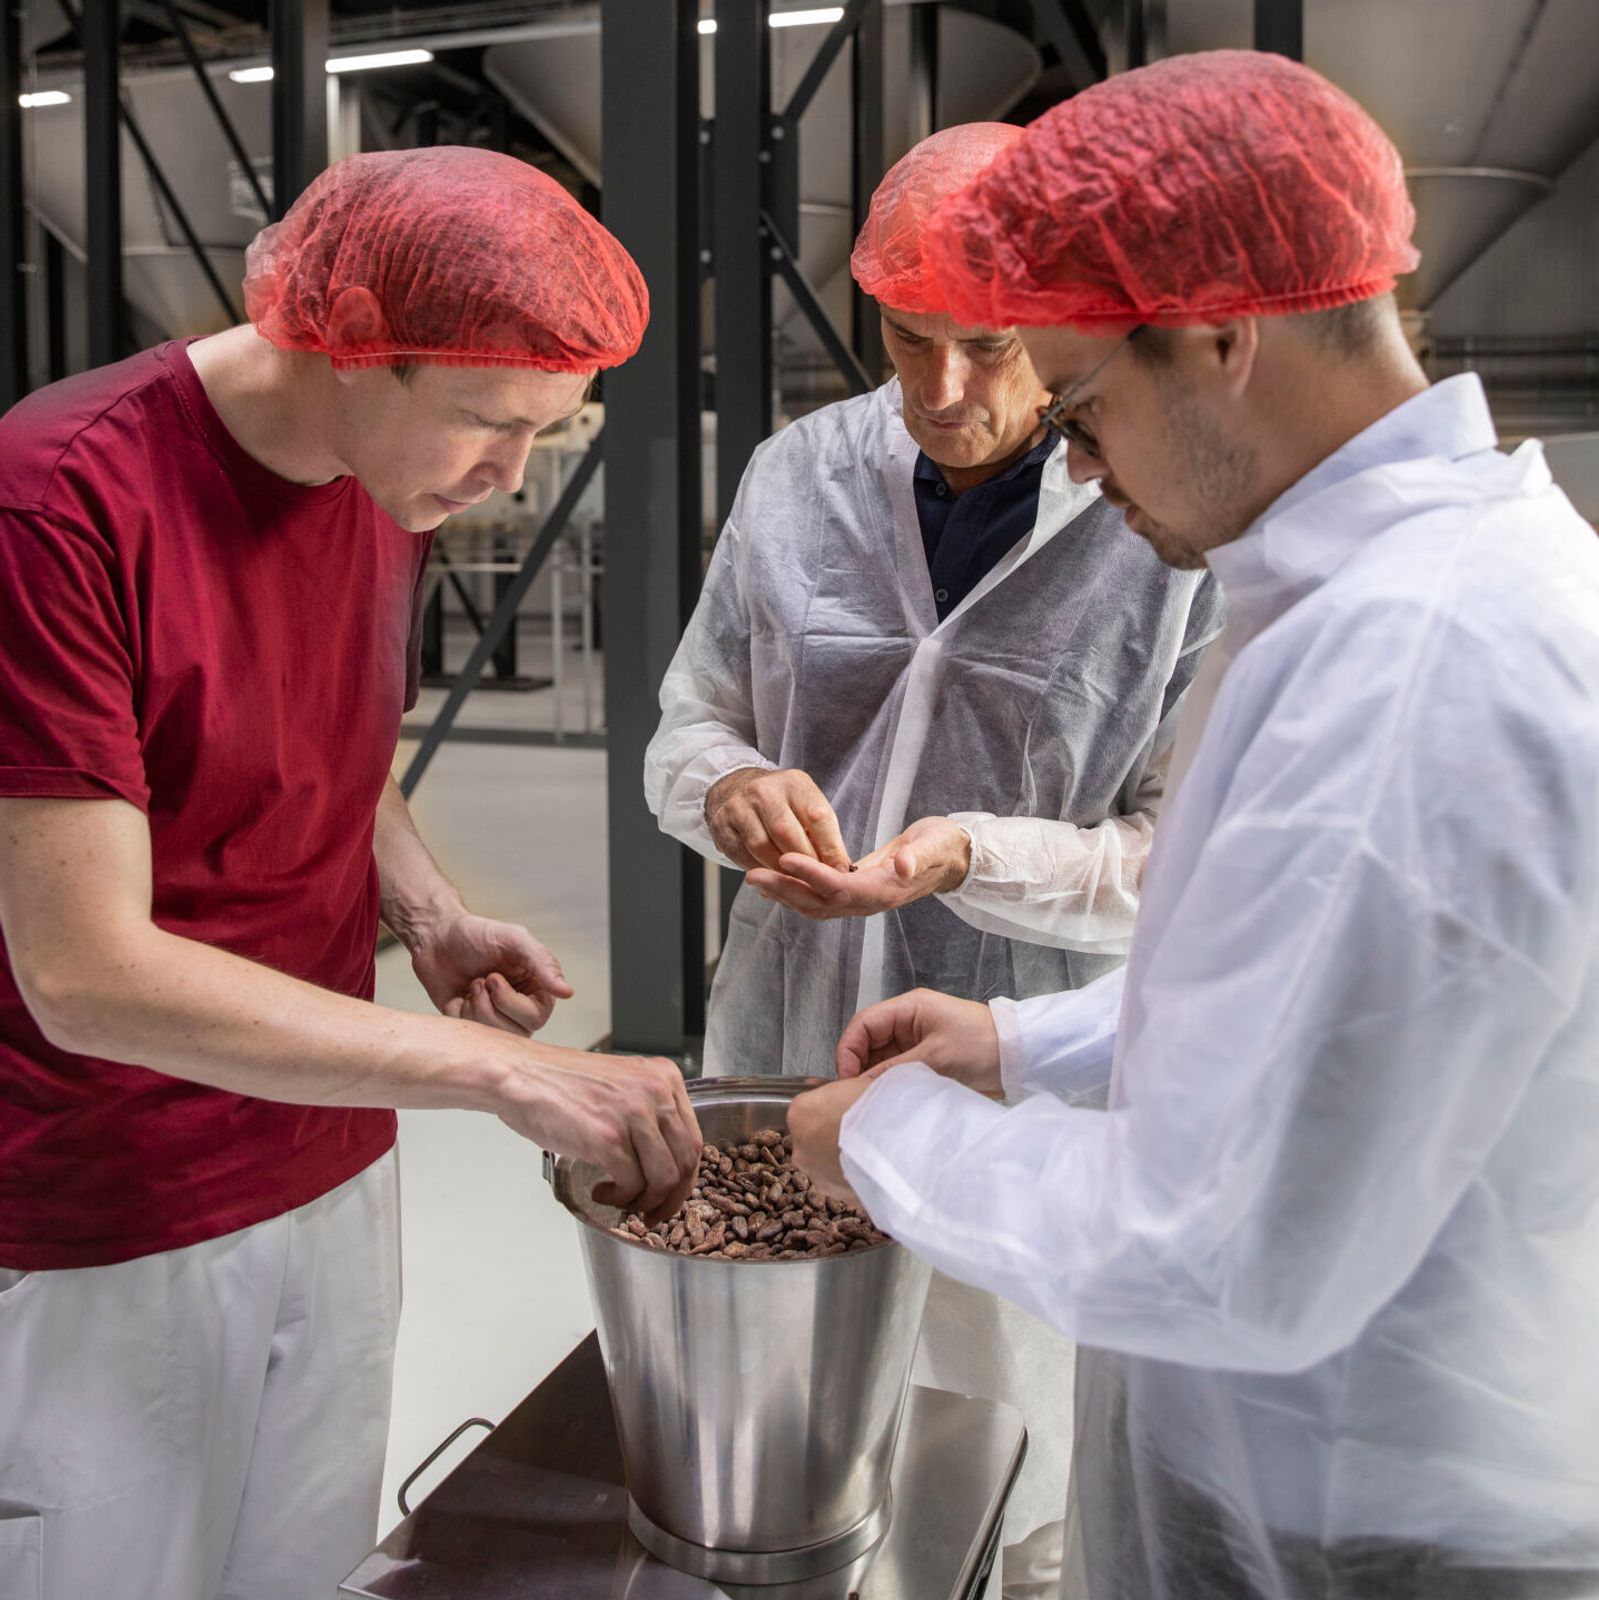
[1074, 433]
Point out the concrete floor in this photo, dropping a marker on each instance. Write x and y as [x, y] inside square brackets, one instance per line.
[494, 1287]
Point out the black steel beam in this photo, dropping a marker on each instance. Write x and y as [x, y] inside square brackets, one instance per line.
[649, 112]
[1067, 25]
[100, 30]
[299, 97]
[923, 21]
[55, 305]
[1280, 27]
[816, 314]
[1136, 28]
[158, 179]
[743, 295]
[867, 165]
[13, 215]
[539, 737]
[175, 206]
[218, 110]
[821, 63]
[504, 617]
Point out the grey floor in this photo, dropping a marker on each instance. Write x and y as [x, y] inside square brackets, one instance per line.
[494, 1291]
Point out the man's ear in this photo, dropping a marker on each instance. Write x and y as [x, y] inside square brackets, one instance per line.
[1235, 347]
[356, 323]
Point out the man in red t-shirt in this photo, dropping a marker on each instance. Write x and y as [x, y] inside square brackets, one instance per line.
[210, 562]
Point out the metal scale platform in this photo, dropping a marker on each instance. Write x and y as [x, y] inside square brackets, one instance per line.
[538, 1511]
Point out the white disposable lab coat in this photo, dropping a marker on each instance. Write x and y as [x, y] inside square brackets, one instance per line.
[1039, 713]
[1332, 1253]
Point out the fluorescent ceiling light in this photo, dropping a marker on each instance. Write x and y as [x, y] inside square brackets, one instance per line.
[45, 97]
[788, 19]
[798, 19]
[386, 58]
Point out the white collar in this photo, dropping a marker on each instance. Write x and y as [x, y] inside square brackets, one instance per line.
[1386, 471]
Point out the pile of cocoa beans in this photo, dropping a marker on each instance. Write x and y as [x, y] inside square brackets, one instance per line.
[751, 1203]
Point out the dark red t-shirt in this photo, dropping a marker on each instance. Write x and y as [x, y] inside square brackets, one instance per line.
[184, 630]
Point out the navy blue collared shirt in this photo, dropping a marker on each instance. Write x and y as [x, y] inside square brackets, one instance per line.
[967, 535]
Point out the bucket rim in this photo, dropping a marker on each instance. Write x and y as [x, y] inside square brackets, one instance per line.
[558, 1172]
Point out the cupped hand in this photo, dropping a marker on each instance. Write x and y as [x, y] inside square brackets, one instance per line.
[814, 1119]
[932, 856]
[491, 972]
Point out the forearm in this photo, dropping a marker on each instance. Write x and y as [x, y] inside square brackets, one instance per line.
[196, 1012]
[1060, 1044]
[413, 891]
[707, 728]
[1053, 883]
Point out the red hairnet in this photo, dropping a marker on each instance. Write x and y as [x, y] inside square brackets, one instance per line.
[475, 259]
[889, 262]
[1222, 184]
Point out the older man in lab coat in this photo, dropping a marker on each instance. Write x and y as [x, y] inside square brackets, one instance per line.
[922, 649]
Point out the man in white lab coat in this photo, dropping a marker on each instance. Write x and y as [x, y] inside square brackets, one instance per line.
[922, 649]
[1332, 1253]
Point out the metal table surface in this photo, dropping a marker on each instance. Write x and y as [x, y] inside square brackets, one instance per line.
[538, 1510]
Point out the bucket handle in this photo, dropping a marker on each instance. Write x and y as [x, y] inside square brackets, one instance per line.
[435, 1453]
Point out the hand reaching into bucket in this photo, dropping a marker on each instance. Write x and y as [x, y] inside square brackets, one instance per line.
[629, 1115]
[814, 1119]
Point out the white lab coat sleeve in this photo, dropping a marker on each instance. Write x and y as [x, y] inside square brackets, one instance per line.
[1060, 1044]
[707, 727]
[1350, 991]
[1053, 883]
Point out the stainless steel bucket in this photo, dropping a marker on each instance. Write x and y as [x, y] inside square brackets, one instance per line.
[757, 1402]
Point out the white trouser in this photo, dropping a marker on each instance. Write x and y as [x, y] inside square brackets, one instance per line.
[208, 1423]
[975, 1343]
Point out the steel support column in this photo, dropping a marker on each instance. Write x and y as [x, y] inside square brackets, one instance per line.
[13, 216]
[1068, 26]
[923, 23]
[100, 28]
[867, 163]
[1137, 31]
[55, 305]
[743, 275]
[299, 97]
[743, 279]
[1280, 27]
[649, 108]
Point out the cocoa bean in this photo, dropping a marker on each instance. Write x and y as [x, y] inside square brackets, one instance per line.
[751, 1203]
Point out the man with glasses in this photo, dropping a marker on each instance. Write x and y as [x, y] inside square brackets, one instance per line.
[926, 703]
[1331, 1251]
